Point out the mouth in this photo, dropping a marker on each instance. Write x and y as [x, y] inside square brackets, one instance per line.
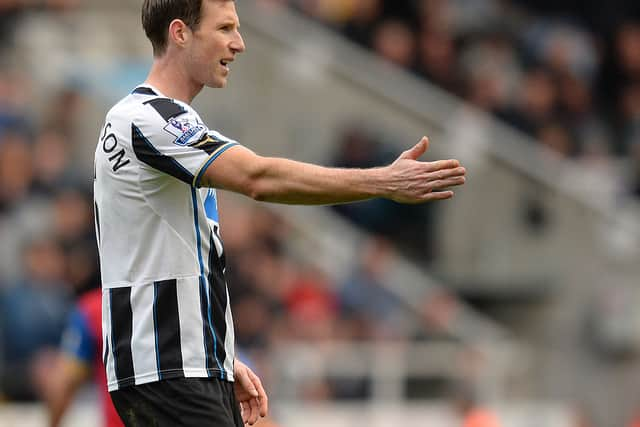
[225, 63]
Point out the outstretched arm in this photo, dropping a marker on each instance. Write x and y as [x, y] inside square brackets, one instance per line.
[270, 179]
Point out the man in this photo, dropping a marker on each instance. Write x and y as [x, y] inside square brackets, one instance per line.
[79, 358]
[167, 326]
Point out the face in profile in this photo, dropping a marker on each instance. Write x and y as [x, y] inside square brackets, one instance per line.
[215, 43]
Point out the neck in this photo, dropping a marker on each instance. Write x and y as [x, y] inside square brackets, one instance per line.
[172, 81]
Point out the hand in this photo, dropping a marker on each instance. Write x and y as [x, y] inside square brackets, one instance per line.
[413, 181]
[249, 393]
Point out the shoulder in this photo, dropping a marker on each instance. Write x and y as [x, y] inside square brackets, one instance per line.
[167, 108]
[142, 106]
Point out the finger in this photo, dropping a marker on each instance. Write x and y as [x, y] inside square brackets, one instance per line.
[438, 195]
[264, 406]
[417, 150]
[255, 411]
[262, 395]
[244, 411]
[441, 164]
[445, 183]
[448, 173]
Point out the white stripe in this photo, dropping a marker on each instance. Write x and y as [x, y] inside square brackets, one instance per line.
[112, 381]
[229, 339]
[191, 327]
[143, 340]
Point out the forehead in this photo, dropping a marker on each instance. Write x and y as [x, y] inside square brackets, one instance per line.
[219, 10]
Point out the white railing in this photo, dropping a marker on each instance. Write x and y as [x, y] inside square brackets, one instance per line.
[493, 368]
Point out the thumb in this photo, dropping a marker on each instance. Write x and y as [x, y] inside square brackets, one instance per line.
[417, 150]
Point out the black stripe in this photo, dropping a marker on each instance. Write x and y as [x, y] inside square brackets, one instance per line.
[206, 329]
[105, 352]
[121, 332]
[218, 298]
[166, 108]
[209, 144]
[167, 328]
[223, 258]
[144, 91]
[148, 154]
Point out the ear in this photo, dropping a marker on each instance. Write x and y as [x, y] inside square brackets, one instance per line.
[179, 32]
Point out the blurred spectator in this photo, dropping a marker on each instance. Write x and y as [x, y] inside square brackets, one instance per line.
[21, 214]
[627, 50]
[253, 317]
[33, 314]
[16, 171]
[364, 296]
[358, 149]
[535, 105]
[437, 59]
[60, 375]
[490, 70]
[63, 110]
[563, 48]
[439, 312]
[394, 41]
[73, 228]
[51, 163]
[312, 307]
[14, 94]
[435, 15]
[557, 138]
[361, 24]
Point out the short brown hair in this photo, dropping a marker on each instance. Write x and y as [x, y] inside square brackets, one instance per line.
[158, 14]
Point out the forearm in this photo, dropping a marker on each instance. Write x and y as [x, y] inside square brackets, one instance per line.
[281, 180]
[58, 397]
[57, 407]
[61, 385]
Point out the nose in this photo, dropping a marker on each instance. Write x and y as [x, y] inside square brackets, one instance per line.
[237, 44]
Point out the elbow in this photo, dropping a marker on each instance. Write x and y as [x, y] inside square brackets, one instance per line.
[254, 192]
[255, 184]
[257, 190]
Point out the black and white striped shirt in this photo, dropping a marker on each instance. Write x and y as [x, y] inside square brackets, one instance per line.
[165, 303]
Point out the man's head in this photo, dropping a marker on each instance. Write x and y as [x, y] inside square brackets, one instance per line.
[203, 35]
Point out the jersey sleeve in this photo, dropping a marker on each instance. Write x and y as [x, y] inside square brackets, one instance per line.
[77, 340]
[172, 139]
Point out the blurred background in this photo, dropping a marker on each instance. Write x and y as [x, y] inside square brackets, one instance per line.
[514, 304]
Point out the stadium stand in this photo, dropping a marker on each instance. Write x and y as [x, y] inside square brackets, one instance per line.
[538, 336]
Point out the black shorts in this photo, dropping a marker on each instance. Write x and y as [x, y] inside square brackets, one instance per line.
[179, 402]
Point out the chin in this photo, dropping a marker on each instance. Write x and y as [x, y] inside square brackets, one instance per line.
[217, 83]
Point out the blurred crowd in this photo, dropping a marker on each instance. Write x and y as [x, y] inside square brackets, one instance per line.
[48, 253]
[571, 83]
[566, 73]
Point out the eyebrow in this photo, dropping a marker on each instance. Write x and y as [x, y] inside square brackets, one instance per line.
[229, 21]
